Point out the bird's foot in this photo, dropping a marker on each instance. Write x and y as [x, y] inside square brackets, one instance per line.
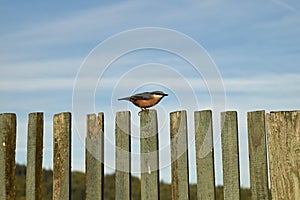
[143, 109]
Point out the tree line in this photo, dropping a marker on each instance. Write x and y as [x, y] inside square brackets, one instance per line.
[78, 187]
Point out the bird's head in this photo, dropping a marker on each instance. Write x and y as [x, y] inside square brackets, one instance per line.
[158, 94]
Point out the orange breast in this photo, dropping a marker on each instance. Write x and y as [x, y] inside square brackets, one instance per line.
[145, 103]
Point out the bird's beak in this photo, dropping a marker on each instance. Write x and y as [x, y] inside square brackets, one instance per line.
[165, 94]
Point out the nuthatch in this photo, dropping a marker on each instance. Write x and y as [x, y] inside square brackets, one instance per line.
[146, 99]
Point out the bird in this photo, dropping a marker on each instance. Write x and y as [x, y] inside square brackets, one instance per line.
[146, 99]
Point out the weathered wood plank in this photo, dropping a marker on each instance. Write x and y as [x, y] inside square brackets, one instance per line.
[34, 167]
[204, 155]
[123, 157]
[149, 155]
[8, 126]
[284, 154]
[62, 156]
[230, 155]
[258, 155]
[94, 156]
[179, 155]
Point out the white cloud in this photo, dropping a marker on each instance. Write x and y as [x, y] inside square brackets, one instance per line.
[62, 29]
[102, 21]
[15, 70]
[46, 84]
[265, 83]
[284, 5]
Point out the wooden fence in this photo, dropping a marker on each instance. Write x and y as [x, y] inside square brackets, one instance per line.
[281, 128]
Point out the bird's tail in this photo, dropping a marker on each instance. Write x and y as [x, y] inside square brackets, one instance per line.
[125, 98]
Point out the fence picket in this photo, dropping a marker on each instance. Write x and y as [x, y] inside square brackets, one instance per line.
[62, 156]
[179, 155]
[258, 155]
[8, 126]
[34, 167]
[123, 157]
[149, 155]
[94, 153]
[230, 155]
[284, 154]
[204, 155]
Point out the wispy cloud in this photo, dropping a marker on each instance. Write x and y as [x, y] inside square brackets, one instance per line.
[39, 68]
[46, 84]
[78, 25]
[284, 4]
[89, 24]
[267, 84]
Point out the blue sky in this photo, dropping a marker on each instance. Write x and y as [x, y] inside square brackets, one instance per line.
[44, 46]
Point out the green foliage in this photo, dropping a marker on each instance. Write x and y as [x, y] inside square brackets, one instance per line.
[20, 181]
[165, 191]
[78, 187]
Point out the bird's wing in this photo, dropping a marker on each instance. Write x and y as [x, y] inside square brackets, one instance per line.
[142, 96]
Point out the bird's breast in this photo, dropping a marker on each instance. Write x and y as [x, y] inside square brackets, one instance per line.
[145, 103]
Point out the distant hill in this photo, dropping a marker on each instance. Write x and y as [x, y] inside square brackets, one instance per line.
[78, 187]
